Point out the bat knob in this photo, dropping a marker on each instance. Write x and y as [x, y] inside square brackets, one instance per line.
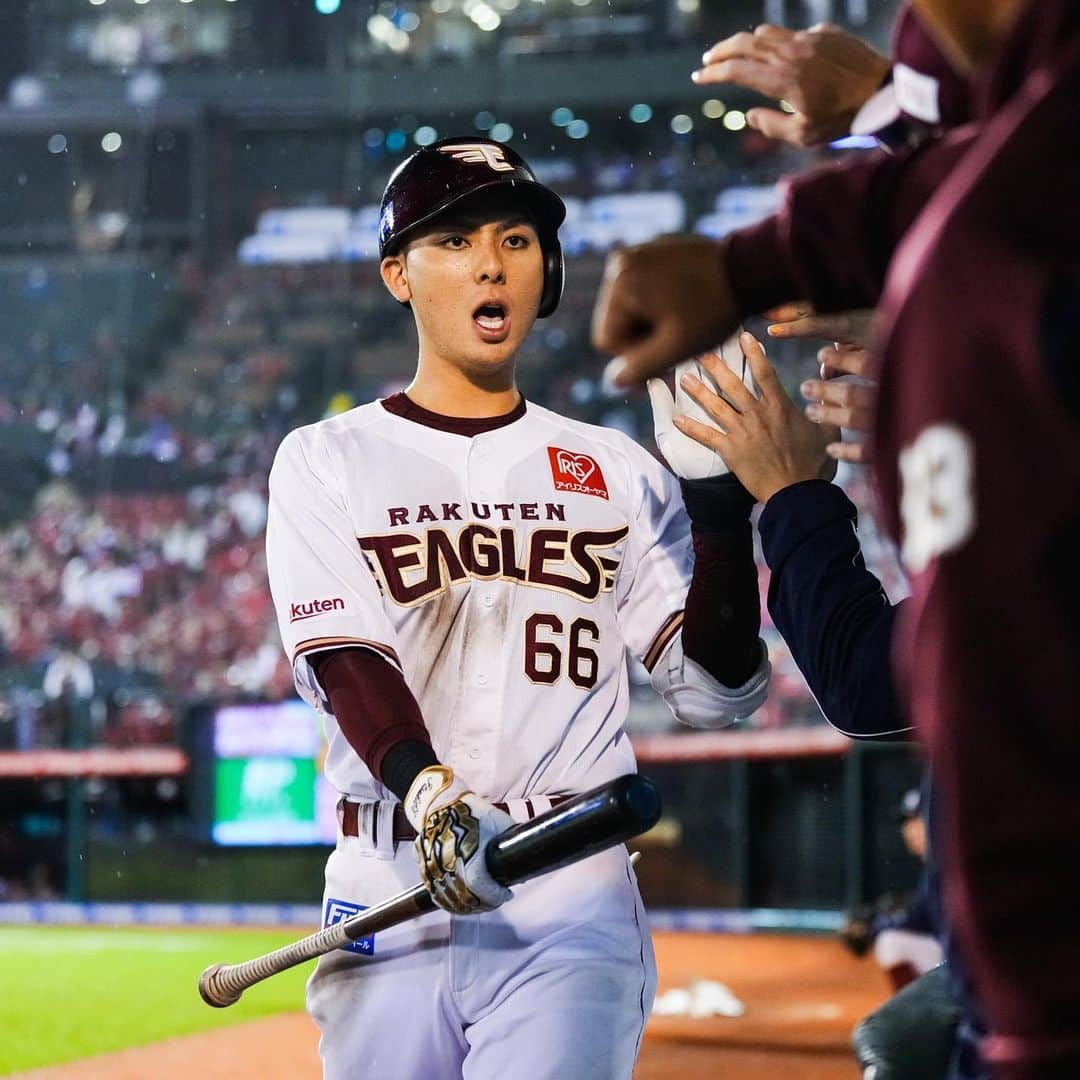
[212, 993]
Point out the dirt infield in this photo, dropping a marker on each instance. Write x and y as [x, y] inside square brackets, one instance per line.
[802, 997]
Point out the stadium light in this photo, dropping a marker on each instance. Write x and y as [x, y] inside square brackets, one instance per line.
[482, 14]
[502, 132]
[111, 142]
[681, 124]
[57, 143]
[562, 116]
[385, 32]
[327, 7]
[713, 109]
[144, 88]
[484, 120]
[425, 135]
[640, 113]
[26, 92]
[735, 120]
[578, 129]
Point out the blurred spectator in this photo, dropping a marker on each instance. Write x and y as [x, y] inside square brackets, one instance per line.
[905, 937]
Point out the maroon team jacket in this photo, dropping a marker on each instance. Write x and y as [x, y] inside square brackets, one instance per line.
[975, 241]
[978, 449]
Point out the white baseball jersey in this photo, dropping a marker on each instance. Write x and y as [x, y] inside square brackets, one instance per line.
[504, 574]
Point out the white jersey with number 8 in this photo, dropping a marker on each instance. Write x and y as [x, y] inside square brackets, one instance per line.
[505, 574]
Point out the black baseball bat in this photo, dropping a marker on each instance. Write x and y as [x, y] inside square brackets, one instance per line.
[581, 826]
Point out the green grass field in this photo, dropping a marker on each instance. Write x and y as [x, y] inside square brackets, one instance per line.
[69, 993]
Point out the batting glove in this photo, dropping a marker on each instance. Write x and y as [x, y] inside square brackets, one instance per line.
[687, 457]
[453, 827]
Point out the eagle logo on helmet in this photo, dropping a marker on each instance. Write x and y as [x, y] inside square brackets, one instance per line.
[479, 154]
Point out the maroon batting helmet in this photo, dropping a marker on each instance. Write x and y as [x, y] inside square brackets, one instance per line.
[431, 181]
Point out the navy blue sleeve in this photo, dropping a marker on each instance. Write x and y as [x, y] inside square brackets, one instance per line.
[831, 611]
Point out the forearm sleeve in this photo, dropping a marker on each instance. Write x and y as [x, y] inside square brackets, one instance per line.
[377, 714]
[831, 611]
[723, 608]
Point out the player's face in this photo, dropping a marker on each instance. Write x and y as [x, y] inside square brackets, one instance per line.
[474, 283]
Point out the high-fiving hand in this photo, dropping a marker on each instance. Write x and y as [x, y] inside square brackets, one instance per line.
[687, 457]
[765, 440]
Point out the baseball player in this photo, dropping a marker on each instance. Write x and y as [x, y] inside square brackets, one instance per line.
[458, 575]
[905, 938]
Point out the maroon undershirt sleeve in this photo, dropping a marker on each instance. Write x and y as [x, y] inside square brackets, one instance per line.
[832, 240]
[722, 620]
[377, 713]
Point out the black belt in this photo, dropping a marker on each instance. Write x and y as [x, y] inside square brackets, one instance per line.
[350, 819]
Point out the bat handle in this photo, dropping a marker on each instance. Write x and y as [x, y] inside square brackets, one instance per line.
[212, 988]
[221, 985]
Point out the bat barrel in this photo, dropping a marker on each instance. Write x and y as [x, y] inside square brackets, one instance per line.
[584, 825]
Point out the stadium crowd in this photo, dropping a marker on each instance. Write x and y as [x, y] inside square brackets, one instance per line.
[142, 599]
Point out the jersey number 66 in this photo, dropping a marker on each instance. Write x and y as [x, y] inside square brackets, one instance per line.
[544, 658]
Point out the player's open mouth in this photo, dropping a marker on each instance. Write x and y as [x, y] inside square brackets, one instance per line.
[492, 322]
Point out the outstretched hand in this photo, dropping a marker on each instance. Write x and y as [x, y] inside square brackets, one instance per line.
[661, 303]
[765, 440]
[844, 402]
[825, 74]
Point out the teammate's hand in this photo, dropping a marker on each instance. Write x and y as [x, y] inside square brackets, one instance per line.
[688, 458]
[845, 395]
[661, 303]
[825, 74]
[453, 827]
[800, 320]
[766, 441]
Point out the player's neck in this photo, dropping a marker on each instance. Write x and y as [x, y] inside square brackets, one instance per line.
[443, 388]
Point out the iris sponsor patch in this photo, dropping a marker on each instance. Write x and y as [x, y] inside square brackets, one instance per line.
[576, 472]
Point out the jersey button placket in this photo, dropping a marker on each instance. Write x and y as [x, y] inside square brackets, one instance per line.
[485, 483]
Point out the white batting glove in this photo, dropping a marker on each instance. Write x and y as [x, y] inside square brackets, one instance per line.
[453, 826]
[687, 457]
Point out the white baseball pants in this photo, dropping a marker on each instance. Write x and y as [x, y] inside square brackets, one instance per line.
[556, 984]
